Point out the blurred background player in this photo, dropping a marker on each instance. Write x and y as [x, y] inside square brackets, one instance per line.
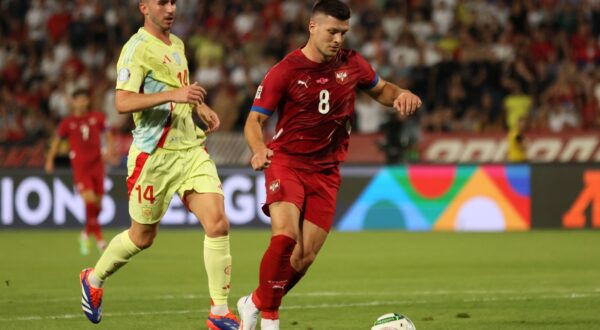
[83, 130]
[167, 156]
[313, 89]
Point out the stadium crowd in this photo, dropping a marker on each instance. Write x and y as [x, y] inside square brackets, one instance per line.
[471, 61]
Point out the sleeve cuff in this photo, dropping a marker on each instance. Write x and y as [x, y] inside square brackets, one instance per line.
[264, 111]
[373, 83]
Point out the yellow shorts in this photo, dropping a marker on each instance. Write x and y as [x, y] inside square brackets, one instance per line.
[153, 179]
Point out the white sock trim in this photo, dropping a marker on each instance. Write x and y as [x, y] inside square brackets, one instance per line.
[220, 310]
[94, 280]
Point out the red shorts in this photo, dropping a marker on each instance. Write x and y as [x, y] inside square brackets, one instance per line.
[90, 178]
[313, 192]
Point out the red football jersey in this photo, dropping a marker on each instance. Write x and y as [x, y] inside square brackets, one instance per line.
[315, 103]
[83, 134]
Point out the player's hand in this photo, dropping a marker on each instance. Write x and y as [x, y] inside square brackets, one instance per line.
[407, 103]
[209, 117]
[49, 167]
[193, 93]
[261, 159]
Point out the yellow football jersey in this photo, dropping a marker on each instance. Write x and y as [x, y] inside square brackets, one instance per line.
[148, 65]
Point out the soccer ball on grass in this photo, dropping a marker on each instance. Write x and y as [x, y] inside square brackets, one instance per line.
[393, 321]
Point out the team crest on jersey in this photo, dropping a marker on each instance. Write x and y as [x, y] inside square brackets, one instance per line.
[147, 212]
[341, 77]
[177, 58]
[274, 186]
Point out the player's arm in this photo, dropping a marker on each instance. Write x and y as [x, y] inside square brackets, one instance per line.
[253, 131]
[208, 116]
[391, 95]
[127, 101]
[49, 167]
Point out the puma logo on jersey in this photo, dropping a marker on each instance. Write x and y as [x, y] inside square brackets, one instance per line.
[302, 82]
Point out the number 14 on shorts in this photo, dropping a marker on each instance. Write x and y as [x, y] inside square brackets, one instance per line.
[147, 195]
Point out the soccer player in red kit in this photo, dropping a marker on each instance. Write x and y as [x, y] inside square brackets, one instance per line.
[83, 129]
[313, 91]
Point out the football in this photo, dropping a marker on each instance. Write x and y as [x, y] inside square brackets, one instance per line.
[393, 321]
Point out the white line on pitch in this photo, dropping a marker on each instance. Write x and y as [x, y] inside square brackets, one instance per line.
[330, 294]
[320, 306]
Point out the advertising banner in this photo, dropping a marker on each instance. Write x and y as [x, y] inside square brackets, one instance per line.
[415, 197]
[491, 148]
[34, 199]
[566, 196]
[447, 198]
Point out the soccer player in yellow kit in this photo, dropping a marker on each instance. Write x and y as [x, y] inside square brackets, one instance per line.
[167, 156]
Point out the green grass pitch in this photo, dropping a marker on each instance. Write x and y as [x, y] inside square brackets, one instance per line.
[530, 280]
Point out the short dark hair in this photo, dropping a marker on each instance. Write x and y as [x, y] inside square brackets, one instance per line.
[334, 8]
[80, 92]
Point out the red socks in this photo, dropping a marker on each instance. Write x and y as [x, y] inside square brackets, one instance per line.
[293, 280]
[275, 272]
[91, 224]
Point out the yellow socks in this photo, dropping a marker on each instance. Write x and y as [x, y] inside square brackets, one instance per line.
[217, 261]
[117, 253]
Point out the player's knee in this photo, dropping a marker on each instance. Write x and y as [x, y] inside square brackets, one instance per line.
[217, 227]
[145, 242]
[285, 228]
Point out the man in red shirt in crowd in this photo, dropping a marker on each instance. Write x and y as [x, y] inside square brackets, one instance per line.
[313, 90]
[83, 129]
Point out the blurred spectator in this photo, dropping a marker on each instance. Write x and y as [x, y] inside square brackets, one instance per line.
[517, 105]
[394, 20]
[11, 123]
[443, 17]
[225, 102]
[58, 22]
[370, 114]
[420, 27]
[516, 141]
